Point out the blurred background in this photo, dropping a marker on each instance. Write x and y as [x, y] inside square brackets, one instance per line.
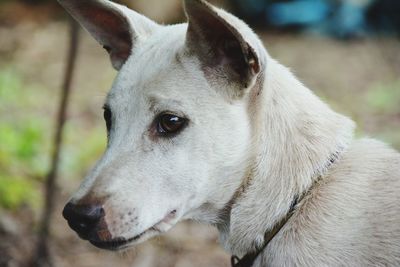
[347, 51]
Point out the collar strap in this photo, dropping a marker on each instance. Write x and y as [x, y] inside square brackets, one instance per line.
[249, 258]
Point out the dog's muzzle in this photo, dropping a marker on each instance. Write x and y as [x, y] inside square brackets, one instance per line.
[88, 221]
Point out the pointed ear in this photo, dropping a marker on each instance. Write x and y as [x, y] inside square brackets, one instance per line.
[219, 45]
[114, 26]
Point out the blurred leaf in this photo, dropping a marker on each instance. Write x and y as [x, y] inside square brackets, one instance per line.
[15, 191]
[20, 147]
[23, 148]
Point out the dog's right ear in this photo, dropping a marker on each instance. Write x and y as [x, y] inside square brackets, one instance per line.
[214, 37]
[115, 27]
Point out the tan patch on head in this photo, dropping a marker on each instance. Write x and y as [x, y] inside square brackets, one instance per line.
[91, 199]
[104, 234]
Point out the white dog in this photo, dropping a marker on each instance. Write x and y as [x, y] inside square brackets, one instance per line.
[203, 124]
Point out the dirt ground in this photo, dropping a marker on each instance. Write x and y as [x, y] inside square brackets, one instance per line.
[353, 76]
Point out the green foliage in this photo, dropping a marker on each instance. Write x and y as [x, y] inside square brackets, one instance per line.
[20, 151]
[22, 147]
[15, 191]
[25, 139]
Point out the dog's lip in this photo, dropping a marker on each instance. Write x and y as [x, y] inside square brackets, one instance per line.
[114, 244]
[121, 243]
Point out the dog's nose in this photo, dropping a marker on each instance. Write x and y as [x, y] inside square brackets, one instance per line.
[83, 218]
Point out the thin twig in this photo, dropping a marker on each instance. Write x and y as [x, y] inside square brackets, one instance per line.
[43, 256]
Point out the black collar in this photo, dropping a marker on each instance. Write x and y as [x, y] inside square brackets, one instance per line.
[249, 258]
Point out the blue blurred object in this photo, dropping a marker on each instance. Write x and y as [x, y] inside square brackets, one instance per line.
[340, 18]
[251, 7]
[302, 12]
[348, 21]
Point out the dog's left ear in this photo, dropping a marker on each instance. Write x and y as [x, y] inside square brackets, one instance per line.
[220, 47]
[116, 27]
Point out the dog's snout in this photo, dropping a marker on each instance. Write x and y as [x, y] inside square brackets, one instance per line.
[83, 218]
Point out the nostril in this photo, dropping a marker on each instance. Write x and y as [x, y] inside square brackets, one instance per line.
[83, 218]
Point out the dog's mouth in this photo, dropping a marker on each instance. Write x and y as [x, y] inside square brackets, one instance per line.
[117, 243]
[122, 243]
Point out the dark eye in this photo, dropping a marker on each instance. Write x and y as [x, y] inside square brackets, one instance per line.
[169, 124]
[108, 118]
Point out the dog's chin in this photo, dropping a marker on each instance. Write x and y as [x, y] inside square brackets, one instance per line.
[120, 243]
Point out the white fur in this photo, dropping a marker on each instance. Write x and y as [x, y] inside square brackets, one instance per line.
[278, 131]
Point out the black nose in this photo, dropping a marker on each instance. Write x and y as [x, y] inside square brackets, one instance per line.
[83, 219]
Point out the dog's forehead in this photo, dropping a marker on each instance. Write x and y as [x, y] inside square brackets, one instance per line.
[159, 69]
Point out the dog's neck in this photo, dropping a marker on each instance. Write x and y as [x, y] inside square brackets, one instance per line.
[295, 136]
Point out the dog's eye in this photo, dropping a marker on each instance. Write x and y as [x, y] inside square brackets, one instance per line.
[107, 117]
[169, 124]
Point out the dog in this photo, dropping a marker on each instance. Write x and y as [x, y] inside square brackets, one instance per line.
[204, 124]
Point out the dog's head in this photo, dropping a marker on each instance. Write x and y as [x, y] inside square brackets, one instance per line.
[177, 117]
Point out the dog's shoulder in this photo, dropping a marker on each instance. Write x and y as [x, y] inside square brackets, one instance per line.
[371, 159]
[368, 173]
[351, 211]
